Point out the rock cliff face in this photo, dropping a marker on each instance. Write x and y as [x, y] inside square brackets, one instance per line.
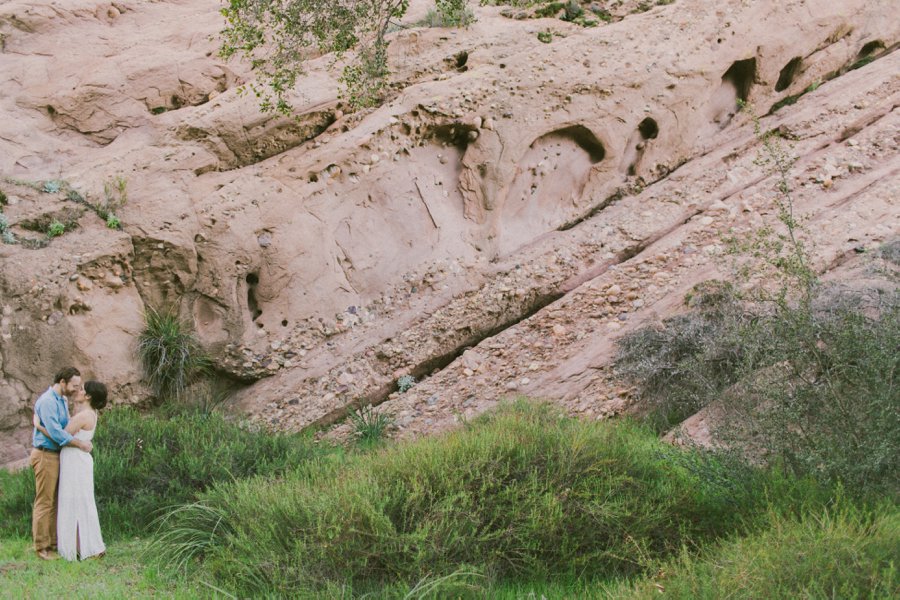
[490, 229]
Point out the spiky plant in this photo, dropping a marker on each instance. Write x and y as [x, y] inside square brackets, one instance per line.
[170, 355]
[369, 425]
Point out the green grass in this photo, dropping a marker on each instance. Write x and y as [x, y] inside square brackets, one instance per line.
[839, 553]
[120, 574]
[523, 503]
[524, 494]
[144, 464]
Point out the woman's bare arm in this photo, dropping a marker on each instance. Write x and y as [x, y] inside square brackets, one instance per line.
[76, 424]
[37, 425]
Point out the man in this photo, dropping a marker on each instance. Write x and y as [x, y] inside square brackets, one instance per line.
[53, 413]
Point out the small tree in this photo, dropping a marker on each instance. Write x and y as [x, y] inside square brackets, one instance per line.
[278, 35]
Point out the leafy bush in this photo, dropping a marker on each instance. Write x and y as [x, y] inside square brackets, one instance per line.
[830, 406]
[55, 229]
[526, 492]
[454, 13]
[170, 355]
[113, 222]
[275, 37]
[146, 463]
[839, 553]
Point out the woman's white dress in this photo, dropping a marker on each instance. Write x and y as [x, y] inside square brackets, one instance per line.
[77, 525]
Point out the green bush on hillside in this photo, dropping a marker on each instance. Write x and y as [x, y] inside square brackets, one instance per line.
[811, 387]
[525, 493]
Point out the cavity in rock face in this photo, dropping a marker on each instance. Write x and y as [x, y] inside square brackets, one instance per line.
[252, 302]
[647, 130]
[735, 88]
[788, 73]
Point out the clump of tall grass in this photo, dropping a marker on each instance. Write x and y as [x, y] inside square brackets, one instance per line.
[169, 353]
[369, 425]
[16, 498]
[526, 492]
[842, 552]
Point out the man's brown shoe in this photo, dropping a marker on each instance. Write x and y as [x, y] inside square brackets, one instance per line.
[47, 555]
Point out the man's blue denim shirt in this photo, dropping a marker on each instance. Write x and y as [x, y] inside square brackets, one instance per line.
[52, 410]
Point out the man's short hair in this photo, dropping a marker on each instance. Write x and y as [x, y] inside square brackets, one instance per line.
[96, 391]
[66, 374]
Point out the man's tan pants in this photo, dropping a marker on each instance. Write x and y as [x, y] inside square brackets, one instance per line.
[46, 482]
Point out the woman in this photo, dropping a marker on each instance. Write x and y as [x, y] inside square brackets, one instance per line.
[77, 524]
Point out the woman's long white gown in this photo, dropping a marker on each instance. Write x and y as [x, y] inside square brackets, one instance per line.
[77, 525]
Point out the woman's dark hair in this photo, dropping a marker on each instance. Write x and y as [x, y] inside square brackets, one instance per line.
[66, 374]
[96, 393]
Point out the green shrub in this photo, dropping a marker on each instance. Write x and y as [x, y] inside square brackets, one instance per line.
[545, 37]
[55, 229]
[840, 553]
[144, 464]
[454, 13]
[113, 222]
[810, 386]
[829, 406]
[405, 383]
[523, 493]
[170, 355]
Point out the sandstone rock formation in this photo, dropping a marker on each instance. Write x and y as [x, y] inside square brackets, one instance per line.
[490, 229]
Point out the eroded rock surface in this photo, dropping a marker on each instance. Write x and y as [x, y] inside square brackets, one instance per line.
[490, 230]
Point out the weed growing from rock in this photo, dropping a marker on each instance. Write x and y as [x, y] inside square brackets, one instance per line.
[170, 355]
[55, 229]
[369, 426]
[405, 383]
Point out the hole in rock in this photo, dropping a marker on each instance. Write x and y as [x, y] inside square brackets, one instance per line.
[462, 58]
[735, 88]
[549, 180]
[741, 75]
[252, 303]
[788, 73]
[870, 48]
[586, 139]
[648, 129]
[455, 134]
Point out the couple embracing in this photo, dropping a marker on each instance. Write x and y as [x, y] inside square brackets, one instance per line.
[65, 515]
